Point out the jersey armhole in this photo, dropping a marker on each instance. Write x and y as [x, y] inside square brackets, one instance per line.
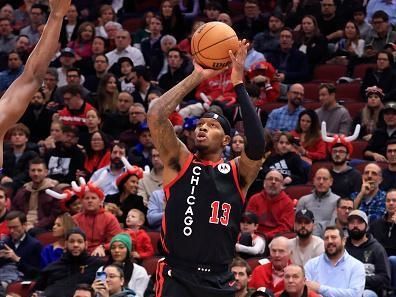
[178, 176]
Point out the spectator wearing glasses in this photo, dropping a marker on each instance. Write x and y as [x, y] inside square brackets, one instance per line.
[389, 173]
[344, 207]
[137, 115]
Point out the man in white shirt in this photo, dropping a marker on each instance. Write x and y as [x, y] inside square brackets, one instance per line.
[124, 49]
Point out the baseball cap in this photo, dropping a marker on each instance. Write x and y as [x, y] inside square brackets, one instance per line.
[360, 214]
[305, 214]
[263, 292]
[390, 105]
[249, 217]
[67, 51]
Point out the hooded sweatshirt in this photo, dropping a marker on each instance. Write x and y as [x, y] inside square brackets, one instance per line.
[276, 214]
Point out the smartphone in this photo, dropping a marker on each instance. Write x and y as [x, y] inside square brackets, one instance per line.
[101, 275]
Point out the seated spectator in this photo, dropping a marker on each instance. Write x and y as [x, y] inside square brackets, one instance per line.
[135, 276]
[249, 243]
[114, 123]
[40, 208]
[308, 142]
[67, 59]
[305, 246]
[97, 153]
[359, 18]
[69, 201]
[100, 66]
[252, 56]
[237, 146]
[143, 247]
[23, 47]
[143, 86]
[99, 225]
[322, 202]
[155, 209]
[137, 115]
[271, 274]
[127, 77]
[242, 272]
[127, 197]
[65, 158]
[273, 207]
[113, 171]
[82, 45]
[20, 257]
[38, 116]
[253, 20]
[262, 74]
[144, 30]
[381, 34]
[329, 22]
[114, 284]
[376, 148]
[389, 173]
[172, 20]
[346, 179]
[381, 76]
[107, 94]
[335, 272]
[13, 71]
[7, 38]
[76, 266]
[18, 155]
[106, 14]
[52, 252]
[84, 290]
[267, 41]
[311, 42]
[337, 117]
[3, 212]
[295, 283]
[292, 65]
[368, 118]
[152, 180]
[36, 19]
[344, 207]
[112, 29]
[73, 77]
[370, 198]
[50, 86]
[285, 118]
[364, 247]
[54, 136]
[287, 162]
[99, 48]
[139, 155]
[69, 26]
[93, 123]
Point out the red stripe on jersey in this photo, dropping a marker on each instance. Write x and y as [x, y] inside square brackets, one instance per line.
[163, 234]
[179, 175]
[160, 278]
[236, 179]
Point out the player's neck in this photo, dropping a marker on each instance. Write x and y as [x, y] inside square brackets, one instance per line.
[211, 157]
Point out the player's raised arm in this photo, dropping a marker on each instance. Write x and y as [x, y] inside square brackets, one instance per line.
[16, 99]
[250, 160]
[162, 133]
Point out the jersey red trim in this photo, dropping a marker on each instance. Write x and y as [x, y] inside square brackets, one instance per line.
[179, 175]
[163, 234]
[236, 179]
[160, 278]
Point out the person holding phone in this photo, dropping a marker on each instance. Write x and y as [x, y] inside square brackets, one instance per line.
[110, 283]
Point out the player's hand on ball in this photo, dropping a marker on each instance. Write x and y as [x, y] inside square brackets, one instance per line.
[238, 62]
[206, 73]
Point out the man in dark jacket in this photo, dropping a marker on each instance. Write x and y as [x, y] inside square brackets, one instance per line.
[60, 278]
[369, 251]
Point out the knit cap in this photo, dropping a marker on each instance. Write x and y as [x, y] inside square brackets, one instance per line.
[123, 238]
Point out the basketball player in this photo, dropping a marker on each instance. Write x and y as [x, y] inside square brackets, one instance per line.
[17, 97]
[204, 196]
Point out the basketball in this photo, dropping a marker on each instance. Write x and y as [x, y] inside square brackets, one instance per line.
[210, 45]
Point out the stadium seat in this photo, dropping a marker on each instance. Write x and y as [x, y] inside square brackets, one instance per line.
[253, 262]
[360, 70]
[316, 165]
[328, 72]
[46, 238]
[273, 105]
[143, 6]
[155, 240]
[358, 148]
[311, 105]
[311, 91]
[24, 289]
[354, 107]
[132, 24]
[297, 191]
[348, 92]
[150, 264]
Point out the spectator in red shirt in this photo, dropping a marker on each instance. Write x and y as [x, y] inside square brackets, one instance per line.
[273, 207]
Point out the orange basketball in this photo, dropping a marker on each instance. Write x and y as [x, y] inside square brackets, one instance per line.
[210, 45]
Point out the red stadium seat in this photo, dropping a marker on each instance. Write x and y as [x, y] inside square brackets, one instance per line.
[358, 148]
[297, 191]
[360, 70]
[328, 72]
[150, 264]
[132, 24]
[354, 108]
[316, 165]
[24, 289]
[46, 238]
[311, 105]
[253, 262]
[155, 240]
[311, 91]
[273, 105]
[348, 92]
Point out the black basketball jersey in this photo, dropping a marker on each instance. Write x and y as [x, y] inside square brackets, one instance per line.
[203, 211]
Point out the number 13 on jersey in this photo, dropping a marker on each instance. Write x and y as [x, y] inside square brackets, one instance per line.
[225, 213]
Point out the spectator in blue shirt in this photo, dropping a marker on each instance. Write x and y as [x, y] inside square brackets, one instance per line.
[15, 68]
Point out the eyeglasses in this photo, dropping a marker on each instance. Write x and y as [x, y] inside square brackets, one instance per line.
[297, 93]
[273, 179]
[341, 152]
[346, 208]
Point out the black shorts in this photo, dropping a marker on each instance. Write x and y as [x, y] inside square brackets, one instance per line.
[178, 282]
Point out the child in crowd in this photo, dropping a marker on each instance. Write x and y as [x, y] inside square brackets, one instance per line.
[249, 243]
[128, 75]
[143, 247]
